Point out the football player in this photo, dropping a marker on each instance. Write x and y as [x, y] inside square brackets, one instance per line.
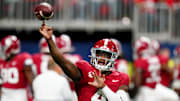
[51, 86]
[95, 81]
[164, 54]
[142, 76]
[64, 44]
[16, 73]
[41, 59]
[147, 73]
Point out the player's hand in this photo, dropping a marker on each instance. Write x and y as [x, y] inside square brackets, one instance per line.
[46, 31]
[98, 80]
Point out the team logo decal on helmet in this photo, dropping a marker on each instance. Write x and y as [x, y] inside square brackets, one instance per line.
[64, 43]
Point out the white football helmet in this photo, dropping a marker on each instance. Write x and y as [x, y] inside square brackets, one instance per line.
[142, 46]
[64, 43]
[10, 45]
[155, 47]
[44, 45]
[118, 45]
[103, 54]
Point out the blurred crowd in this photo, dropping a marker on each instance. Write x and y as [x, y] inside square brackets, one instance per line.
[70, 9]
[150, 16]
[154, 76]
[83, 9]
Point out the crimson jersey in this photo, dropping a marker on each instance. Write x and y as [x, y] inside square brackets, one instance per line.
[12, 72]
[87, 92]
[41, 63]
[151, 67]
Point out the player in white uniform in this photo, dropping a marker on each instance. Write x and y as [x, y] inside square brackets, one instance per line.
[50, 86]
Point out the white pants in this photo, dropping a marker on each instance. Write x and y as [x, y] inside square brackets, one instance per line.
[13, 94]
[160, 93]
[146, 94]
[166, 94]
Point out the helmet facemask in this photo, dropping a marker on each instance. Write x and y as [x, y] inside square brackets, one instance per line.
[102, 59]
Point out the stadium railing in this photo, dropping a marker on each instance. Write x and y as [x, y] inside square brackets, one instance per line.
[69, 14]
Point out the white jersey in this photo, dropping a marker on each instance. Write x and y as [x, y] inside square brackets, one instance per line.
[50, 86]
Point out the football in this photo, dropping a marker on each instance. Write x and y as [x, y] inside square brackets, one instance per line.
[44, 11]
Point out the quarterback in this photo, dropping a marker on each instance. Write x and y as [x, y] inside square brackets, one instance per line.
[95, 81]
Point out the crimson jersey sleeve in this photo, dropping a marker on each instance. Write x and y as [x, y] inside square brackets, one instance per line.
[86, 70]
[23, 60]
[125, 80]
[26, 58]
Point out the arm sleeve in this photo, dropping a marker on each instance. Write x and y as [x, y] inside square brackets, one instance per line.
[28, 62]
[120, 95]
[27, 58]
